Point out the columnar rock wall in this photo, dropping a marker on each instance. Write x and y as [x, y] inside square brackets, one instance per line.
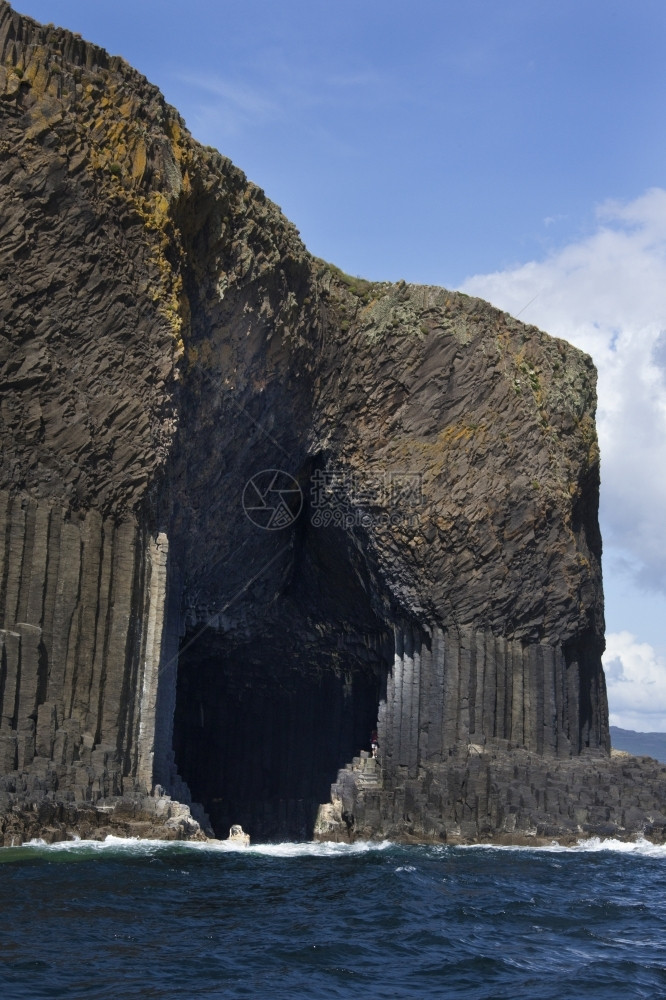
[466, 686]
[81, 632]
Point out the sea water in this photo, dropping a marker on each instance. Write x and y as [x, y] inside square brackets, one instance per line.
[124, 919]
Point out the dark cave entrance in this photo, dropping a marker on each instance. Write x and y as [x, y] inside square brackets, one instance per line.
[268, 711]
[259, 740]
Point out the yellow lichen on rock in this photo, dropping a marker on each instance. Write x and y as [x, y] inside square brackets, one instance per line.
[139, 161]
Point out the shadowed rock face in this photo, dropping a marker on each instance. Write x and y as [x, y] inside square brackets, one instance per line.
[165, 338]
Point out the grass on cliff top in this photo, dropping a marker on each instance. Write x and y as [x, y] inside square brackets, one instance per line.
[360, 287]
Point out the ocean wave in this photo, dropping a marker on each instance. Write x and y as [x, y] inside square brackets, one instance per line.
[320, 849]
[326, 849]
[137, 845]
[641, 847]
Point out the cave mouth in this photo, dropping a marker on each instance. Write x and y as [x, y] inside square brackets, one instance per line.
[259, 735]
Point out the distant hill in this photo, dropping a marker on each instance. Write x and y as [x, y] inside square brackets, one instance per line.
[640, 744]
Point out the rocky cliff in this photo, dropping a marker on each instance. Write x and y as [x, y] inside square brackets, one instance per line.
[252, 509]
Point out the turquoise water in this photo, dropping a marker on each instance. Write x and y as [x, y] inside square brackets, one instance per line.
[129, 919]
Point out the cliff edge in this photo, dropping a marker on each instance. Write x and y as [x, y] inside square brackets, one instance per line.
[253, 510]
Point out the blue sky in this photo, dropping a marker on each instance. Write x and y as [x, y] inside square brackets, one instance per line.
[512, 148]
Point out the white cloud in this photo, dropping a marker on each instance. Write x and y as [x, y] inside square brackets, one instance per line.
[636, 680]
[279, 92]
[606, 293]
[247, 100]
[229, 106]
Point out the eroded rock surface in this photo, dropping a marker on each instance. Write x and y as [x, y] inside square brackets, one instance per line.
[165, 337]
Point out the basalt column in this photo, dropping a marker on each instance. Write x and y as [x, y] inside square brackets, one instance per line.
[81, 639]
[464, 686]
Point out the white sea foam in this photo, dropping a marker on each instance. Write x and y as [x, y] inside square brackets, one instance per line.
[137, 845]
[640, 847]
[325, 849]
[328, 849]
